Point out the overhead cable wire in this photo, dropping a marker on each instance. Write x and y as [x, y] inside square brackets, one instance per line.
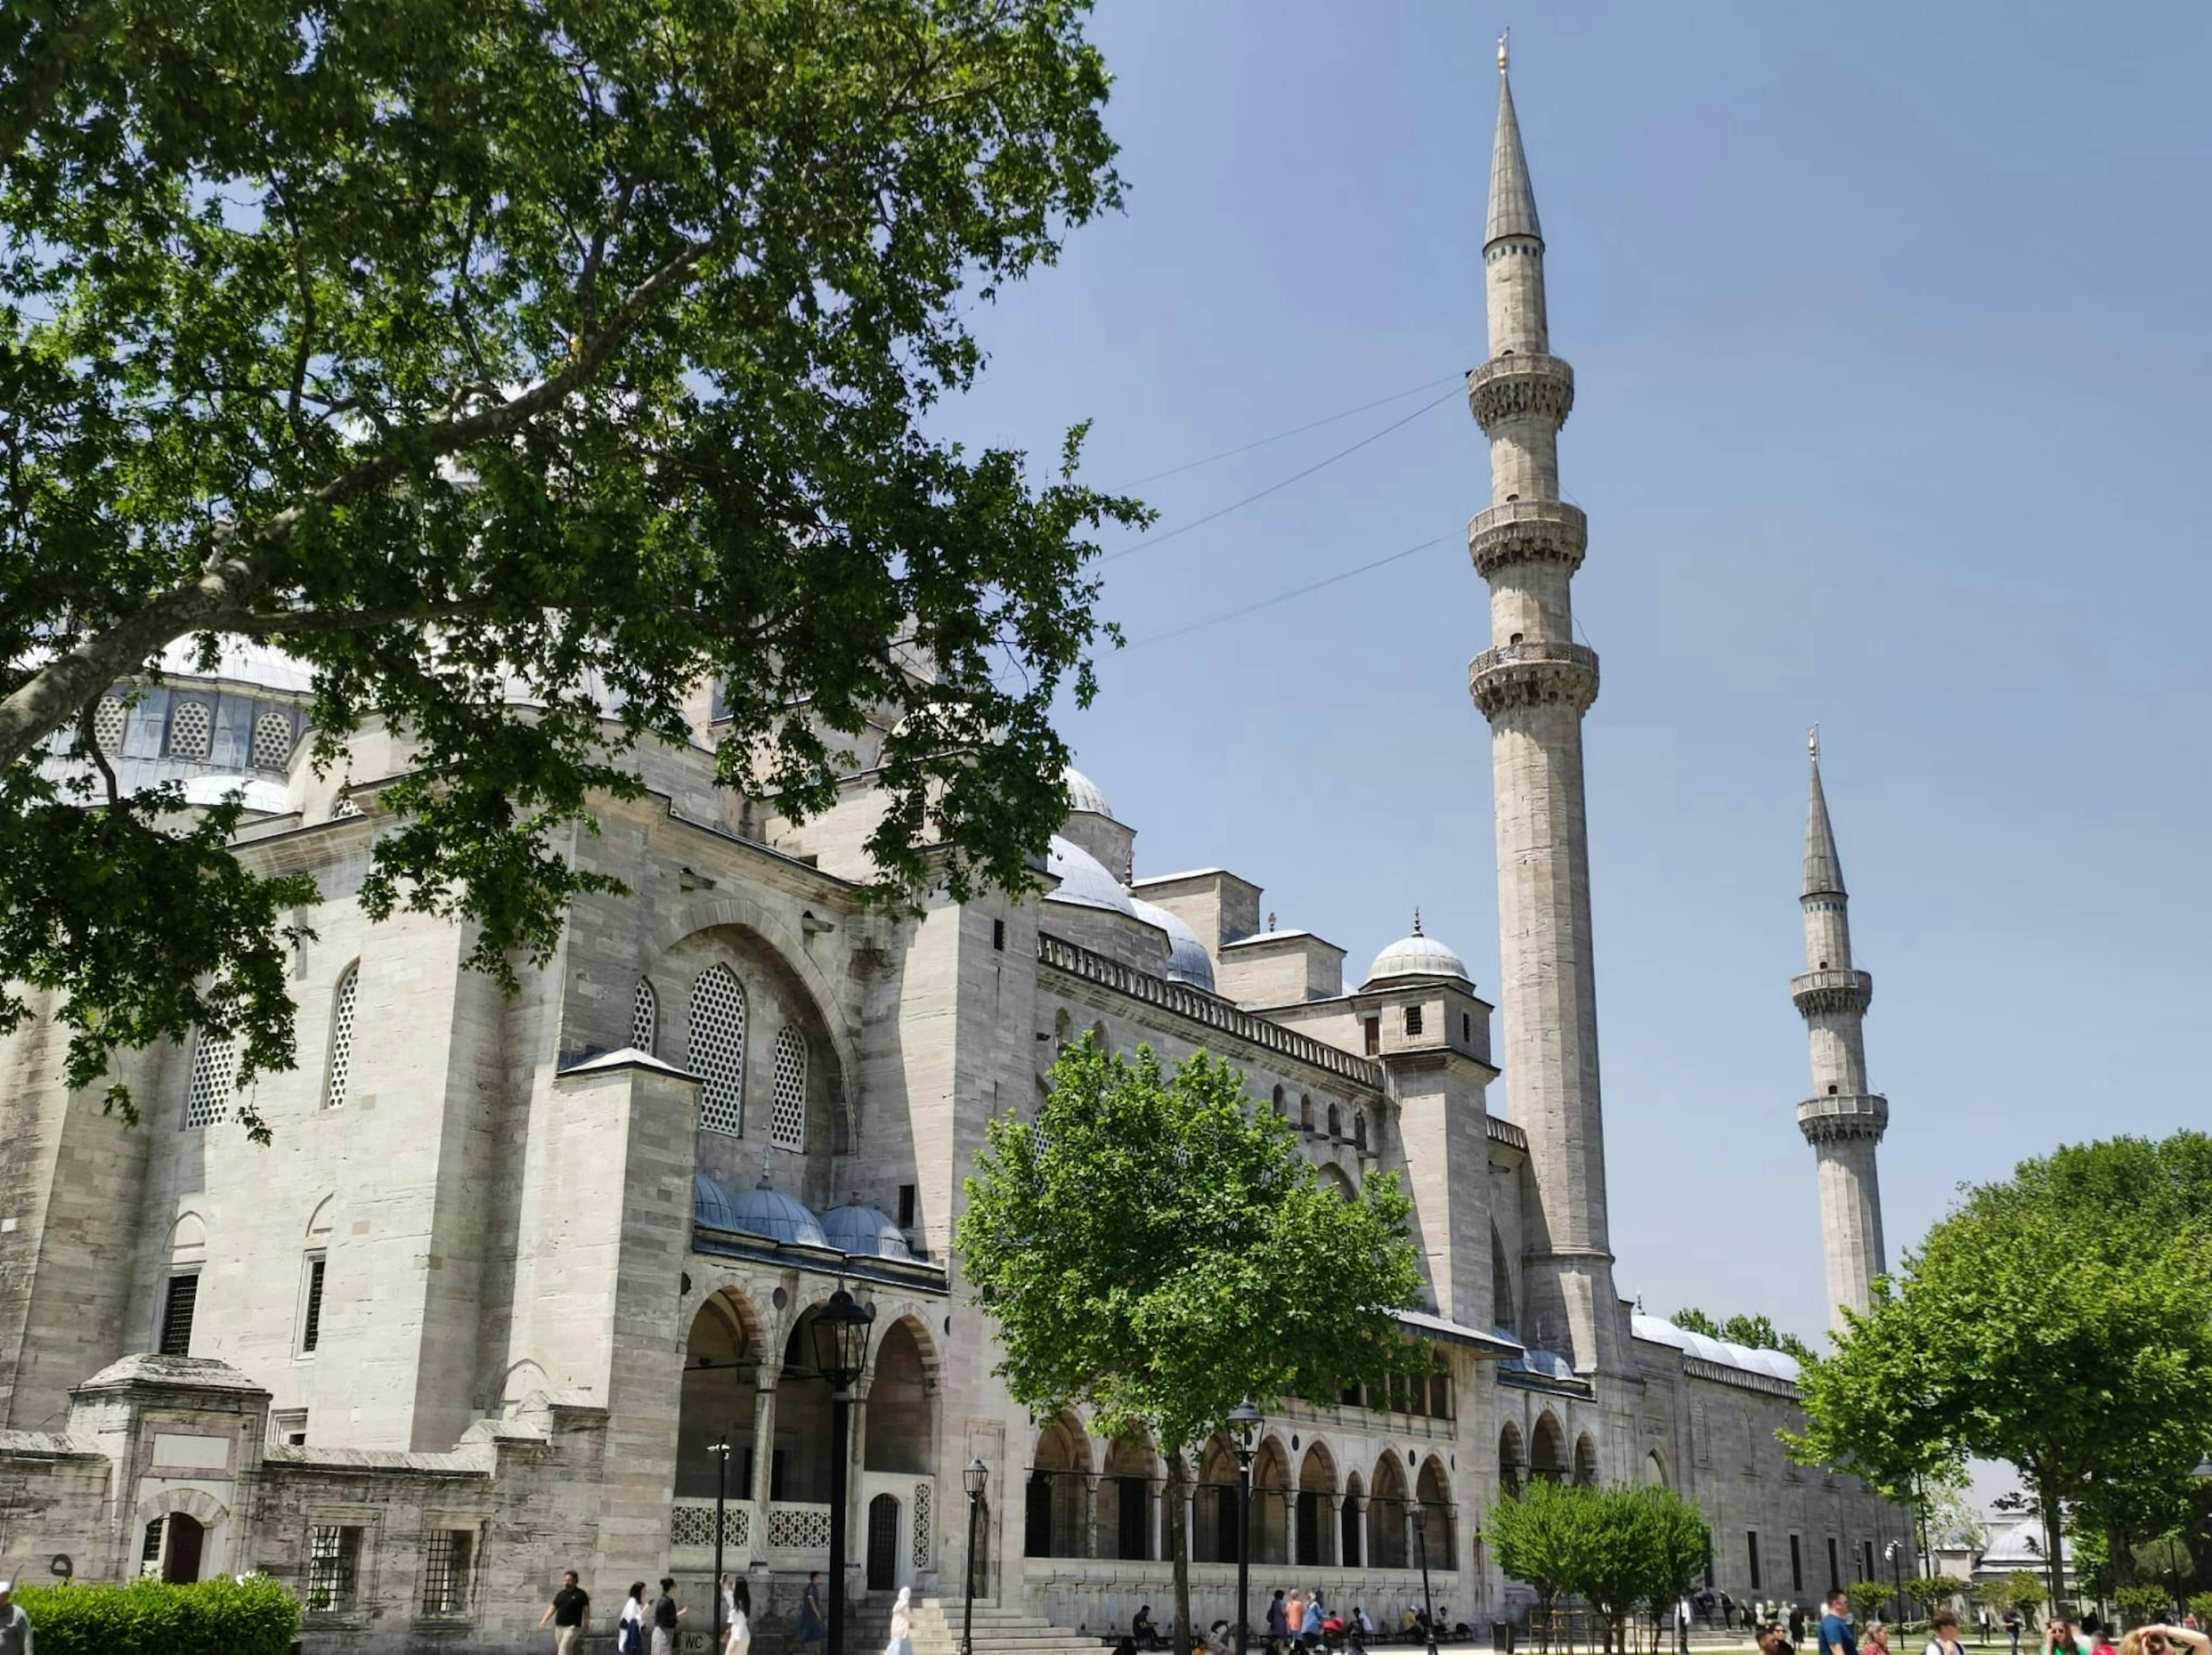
[1297, 430]
[1285, 597]
[1276, 487]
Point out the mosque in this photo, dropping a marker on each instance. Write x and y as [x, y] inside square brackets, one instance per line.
[515, 1267]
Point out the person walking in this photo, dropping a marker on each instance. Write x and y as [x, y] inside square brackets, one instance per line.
[2012, 1626]
[737, 1616]
[1877, 1639]
[1835, 1638]
[630, 1624]
[1279, 1626]
[1796, 1625]
[1943, 1634]
[901, 1641]
[15, 1624]
[1294, 1615]
[810, 1610]
[667, 1616]
[571, 1608]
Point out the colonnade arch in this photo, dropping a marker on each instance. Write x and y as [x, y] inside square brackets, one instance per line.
[1585, 1461]
[1547, 1453]
[1512, 1459]
[1054, 1516]
[1317, 1499]
[1434, 1517]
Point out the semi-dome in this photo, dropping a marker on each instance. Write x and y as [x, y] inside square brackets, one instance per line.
[1083, 793]
[864, 1231]
[1084, 879]
[762, 1211]
[1188, 960]
[1417, 955]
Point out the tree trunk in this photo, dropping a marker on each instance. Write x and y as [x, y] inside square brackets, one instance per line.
[2054, 1556]
[1180, 1551]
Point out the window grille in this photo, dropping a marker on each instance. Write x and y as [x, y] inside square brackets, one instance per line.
[177, 1308]
[150, 1552]
[333, 1566]
[311, 1321]
[787, 1121]
[215, 1069]
[1412, 1019]
[272, 741]
[644, 1018]
[191, 730]
[342, 1008]
[108, 725]
[445, 1569]
[718, 1049]
[345, 808]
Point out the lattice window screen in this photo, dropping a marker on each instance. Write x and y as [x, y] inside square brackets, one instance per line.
[644, 1018]
[786, 1126]
[272, 741]
[191, 730]
[921, 1496]
[108, 725]
[718, 1049]
[207, 1097]
[341, 1038]
[345, 808]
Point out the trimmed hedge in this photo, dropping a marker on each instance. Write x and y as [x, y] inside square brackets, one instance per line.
[253, 1616]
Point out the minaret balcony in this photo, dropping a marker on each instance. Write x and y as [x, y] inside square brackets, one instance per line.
[1533, 674]
[1838, 1119]
[1509, 386]
[1528, 532]
[1822, 993]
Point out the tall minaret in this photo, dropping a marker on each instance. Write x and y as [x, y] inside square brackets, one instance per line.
[1534, 684]
[1842, 1120]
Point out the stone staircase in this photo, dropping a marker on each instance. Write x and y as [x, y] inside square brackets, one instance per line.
[998, 1631]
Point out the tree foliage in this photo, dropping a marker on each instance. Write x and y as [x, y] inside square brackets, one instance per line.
[1867, 1598]
[1619, 1549]
[1755, 1332]
[2061, 1321]
[578, 354]
[1156, 1249]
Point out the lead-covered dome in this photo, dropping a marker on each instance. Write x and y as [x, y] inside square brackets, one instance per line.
[1188, 960]
[864, 1231]
[1417, 955]
[762, 1211]
[1083, 793]
[1084, 879]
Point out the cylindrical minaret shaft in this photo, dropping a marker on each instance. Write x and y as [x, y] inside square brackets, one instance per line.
[1534, 684]
[1842, 1120]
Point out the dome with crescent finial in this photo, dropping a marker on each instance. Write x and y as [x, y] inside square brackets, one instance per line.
[1418, 955]
[1084, 793]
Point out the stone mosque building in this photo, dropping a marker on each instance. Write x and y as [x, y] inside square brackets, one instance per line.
[511, 1265]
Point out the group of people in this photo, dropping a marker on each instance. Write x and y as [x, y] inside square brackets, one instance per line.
[643, 1628]
[1296, 1620]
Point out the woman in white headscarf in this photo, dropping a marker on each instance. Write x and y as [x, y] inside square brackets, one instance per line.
[901, 1641]
[739, 1638]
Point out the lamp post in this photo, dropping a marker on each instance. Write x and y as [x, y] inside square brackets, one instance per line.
[1895, 1553]
[1421, 1550]
[720, 1448]
[1244, 1421]
[972, 1480]
[841, 1354]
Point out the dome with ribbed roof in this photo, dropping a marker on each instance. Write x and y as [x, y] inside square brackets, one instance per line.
[1084, 879]
[762, 1211]
[866, 1231]
[1188, 960]
[1417, 955]
[1083, 793]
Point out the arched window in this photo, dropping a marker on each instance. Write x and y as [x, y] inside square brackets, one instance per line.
[1501, 1286]
[345, 806]
[1098, 1038]
[1359, 1130]
[786, 1121]
[718, 1049]
[207, 1095]
[1281, 1108]
[342, 1005]
[272, 741]
[1585, 1461]
[108, 725]
[191, 728]
[1063, 1030]
[644, 1017]
[1335, 1122]
[1305, 1112]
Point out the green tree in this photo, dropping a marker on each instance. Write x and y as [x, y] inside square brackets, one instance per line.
[1541, 1537]
[2092, 1263]
[2139, 1606]
[1157, 1249]
[2200, 1605]
[1619, 1549]
[529, 350]
[1755, 1332]
[1867, 1598]
[2025, 1593]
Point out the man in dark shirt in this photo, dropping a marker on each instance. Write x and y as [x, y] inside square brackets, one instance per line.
[1836, 1637]
[572, 1608]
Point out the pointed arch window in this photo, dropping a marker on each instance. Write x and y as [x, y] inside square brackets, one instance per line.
[644, 1018]
[718, 1049]
[342, 1010]
[108, 725]
[214, 1072]
[272, 741]
[191, 730]
[787, 1127]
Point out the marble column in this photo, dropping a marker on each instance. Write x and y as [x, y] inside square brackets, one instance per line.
[764, 1462]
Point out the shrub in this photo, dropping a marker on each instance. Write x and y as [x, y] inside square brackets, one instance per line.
[2200, 1605]
[253, 1616]
[2140, 1605]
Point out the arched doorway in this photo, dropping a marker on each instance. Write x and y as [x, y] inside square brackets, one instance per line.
[1386, 1514]
[1585, 1461]
[722, 1366]
[182, 1545]
[1317, 1509]
[900, 1436]
[1215, 1514]
[1352, 1524]
[799, 1471]
[1547, 1456]
[1125, 1500]
[1270, 1504]
[883, 1542]
[1052, 1519]
[1654, 1469]
[1434, 1516]
[1512, 1460]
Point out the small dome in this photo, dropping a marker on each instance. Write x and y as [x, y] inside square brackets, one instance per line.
[760, 1211]
[1188, 960]
[1083, 793]
[1084, 879]
[1417, 955]
[864, 1231]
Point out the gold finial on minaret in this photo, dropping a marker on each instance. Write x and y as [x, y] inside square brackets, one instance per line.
[1502, 41]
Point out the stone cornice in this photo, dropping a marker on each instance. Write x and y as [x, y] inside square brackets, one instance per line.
[1533, 674]
[1506, 387]
[1819, 992]
[1839, 1119]
[1528, 532]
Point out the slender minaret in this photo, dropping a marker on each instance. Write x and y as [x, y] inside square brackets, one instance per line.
[1534, 684]
[1842, 1120]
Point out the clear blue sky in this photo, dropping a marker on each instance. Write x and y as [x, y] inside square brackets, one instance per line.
[1889, 324]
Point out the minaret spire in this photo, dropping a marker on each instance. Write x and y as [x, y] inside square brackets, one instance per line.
[1533, 684]
[1843, 1120]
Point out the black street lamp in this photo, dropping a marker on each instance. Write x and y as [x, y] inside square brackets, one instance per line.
[1895, 1553]
[973, 1480]
[720, 1448]
[841, 1354]
[1421, 1547]
[1244, 1421]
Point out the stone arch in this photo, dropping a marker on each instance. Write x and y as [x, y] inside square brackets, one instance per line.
[1353, 1523]
[902, 1433]
[1547, 1454]
[318, 1221]
[1359, 1130]
[1331, 1177]
[1281, 1108]
[1213, 1538]
[1654, 1470]
[725, 1352]
[1059, 1473]
[1387, 1546]
[193, 1502]
[1098, 1035]
[1063, 1030]
[1125, 1499]
[1433, 1520]
[1316, 1508]
[1305, 1111]
[1512, 1460]
[187, 1239]
[802, 1413]
[182, 1512]
[1335, 1122]
[1271, 1494]
[1585, 1460]
[1503, 1314]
